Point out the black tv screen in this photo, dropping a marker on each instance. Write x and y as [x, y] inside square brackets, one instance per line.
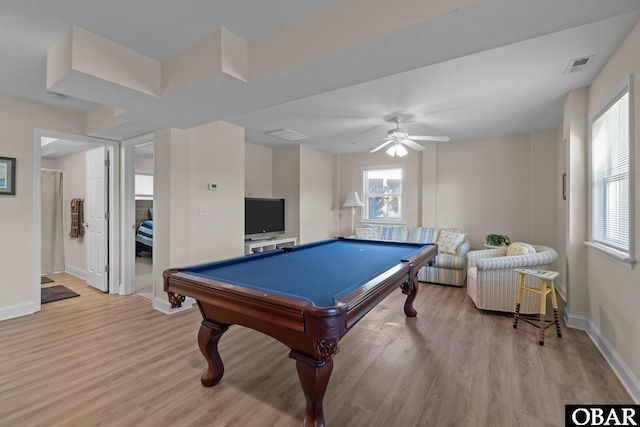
[263, 218]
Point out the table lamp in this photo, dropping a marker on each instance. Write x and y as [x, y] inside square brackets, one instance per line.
[352, 201]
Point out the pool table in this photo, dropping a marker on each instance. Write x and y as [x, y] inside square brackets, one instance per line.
[307, 297]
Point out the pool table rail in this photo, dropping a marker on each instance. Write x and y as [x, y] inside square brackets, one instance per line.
[363, 299]
[247, 303]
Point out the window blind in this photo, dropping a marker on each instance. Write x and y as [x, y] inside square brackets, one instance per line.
[610, 176]
[144, 186]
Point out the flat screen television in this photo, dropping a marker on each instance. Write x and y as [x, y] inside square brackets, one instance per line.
[263, 218]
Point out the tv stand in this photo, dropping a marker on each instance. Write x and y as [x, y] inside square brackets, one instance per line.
[257, 246]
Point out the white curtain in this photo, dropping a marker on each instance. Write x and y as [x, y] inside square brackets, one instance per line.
[52, 221]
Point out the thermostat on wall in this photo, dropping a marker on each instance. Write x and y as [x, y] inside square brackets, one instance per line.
[213, 186]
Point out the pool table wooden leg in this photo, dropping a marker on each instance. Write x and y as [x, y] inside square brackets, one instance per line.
[175, 300]
[208, 337]
[314, 380]
[410, 289]
[409, 311]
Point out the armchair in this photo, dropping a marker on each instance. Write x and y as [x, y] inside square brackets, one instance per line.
[492, 282]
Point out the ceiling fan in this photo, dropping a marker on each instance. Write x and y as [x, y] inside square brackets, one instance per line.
[399, 138]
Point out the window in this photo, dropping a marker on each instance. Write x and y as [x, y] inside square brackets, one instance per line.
[383, 194]
[611, 178]
[144, 186]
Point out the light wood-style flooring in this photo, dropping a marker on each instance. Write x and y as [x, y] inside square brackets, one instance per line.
[106, 360]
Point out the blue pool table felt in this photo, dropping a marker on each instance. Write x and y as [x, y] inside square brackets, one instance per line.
[319, 272]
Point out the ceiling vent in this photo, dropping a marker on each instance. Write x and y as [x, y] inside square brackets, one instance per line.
[287, 134]
[578, 64]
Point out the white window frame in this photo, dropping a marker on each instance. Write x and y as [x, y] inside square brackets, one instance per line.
[626, 258]
[365, 195]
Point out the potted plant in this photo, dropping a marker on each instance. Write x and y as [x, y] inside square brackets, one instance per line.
[497, 240]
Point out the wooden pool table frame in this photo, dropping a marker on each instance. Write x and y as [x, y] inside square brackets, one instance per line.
[311, 333]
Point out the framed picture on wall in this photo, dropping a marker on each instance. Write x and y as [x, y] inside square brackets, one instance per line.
[7, 176]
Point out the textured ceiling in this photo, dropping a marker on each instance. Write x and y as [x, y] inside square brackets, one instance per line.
[487, 69]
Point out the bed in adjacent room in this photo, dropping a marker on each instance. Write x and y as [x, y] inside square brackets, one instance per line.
[144, 232]
[144, 237]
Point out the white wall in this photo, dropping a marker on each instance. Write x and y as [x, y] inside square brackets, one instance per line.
[18, 119]
[317, 206]
[171, 202]
[484, 187]
[561, 213]
[217, 156]
[498, 186]
[186, 161]
[575, 135]
[258, 171]
[546, 188]
[613, 291]
[144, 164]
[286, 185]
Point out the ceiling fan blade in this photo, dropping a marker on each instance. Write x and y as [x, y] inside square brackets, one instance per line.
[384, 144]
[430, 138]
[412, 144]
[369, 140]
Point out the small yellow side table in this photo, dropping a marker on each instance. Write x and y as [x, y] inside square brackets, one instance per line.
[545, 277]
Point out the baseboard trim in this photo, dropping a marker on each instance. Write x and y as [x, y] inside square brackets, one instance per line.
[17, 310]
[75, 271]
[624, 374]
[162, 305]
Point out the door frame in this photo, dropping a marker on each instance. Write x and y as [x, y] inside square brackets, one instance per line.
[128, 148]
[114, 207]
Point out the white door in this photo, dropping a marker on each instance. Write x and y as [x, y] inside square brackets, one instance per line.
[96, 215]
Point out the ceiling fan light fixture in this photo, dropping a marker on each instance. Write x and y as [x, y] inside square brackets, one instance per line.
[398, 141]
[397, 149]
[392, 150]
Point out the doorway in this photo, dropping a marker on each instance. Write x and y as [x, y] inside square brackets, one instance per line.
[138, 198]
[52, 217]
[50, 145]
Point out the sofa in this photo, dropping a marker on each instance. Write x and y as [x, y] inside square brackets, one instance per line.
[492, 282]
[450, 266]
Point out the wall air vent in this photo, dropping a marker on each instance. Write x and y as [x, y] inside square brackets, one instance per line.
[578, 64]
[287, 134]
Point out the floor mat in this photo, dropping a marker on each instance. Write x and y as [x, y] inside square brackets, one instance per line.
[56, 293]
[45, 279]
